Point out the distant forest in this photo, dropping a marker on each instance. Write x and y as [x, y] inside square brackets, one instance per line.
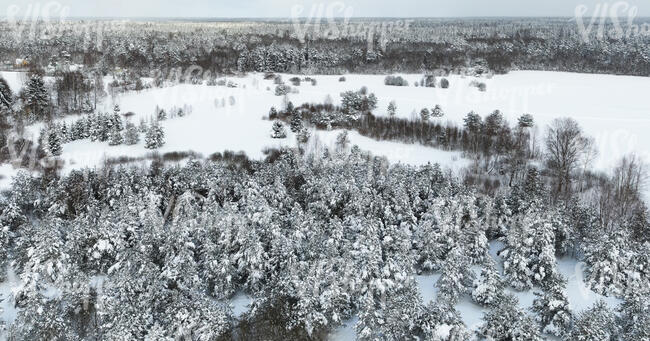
[359, 46]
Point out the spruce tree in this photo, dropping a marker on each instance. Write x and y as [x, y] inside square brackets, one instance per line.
[303, 136]
[392, 109]
[161, 115]
[273, 113]
[635, 314]
[289, 108]
[278, 131]
[437, 112]
[131, 134]
[552, 310]
[35, 97]
[115, 137]
[54, 142]
[65, 135]
[6, 96]
[425, 114]
[505, 321]
[116, 122]
[488, 289]
[155, 136]
[595, 324]
[296, 122]
[608, 258]
[457, 277]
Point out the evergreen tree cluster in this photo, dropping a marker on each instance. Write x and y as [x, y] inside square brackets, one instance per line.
[316, 239]
[102, 127]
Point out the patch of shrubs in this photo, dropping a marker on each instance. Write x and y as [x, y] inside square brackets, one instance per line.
[395, 81]
[282, 90]
[479, 85]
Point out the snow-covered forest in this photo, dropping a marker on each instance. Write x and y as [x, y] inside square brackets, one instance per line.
[314, 240]
[449, 179]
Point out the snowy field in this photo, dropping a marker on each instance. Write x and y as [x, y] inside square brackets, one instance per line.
[612, 109]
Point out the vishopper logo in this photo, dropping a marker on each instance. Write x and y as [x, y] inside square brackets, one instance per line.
[610, 21]
[333, 21]
[46, 21]
[36, 20]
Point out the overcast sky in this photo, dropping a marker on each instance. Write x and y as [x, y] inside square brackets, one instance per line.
[284, 8]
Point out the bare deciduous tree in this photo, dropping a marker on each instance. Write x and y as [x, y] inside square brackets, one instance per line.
[566, 146]
[620, 197]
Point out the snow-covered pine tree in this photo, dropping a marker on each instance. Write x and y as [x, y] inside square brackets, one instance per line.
[99, 127]
[634, 317]
[543, 264]
[475, 242]
[500, 216]
[382, 314]
[115, 137]
[517, 256]
[607, 260]
[425, 114]
[440, 321]
[131, 134]
[303, 136]
[437, 112]
[552, 310]
[273, 113]
[437, 233]
[505, 321]
[457, 277]
[54, 142]
[596, 323]
[64, 133]
[288, 107]
[526, 121]
[35, 97]
[278, 131]
[392, 109]
[161, 115]
[529, 256]
[6, 96]
[155, 136]
[488, 289]
[116, 122]
[296, 121]
[371, 102]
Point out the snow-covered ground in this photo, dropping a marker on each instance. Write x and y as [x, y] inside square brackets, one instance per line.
[240, 304]
[8, 311]
[14, 79]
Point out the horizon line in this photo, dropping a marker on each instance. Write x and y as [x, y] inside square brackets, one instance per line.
[303, 17]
